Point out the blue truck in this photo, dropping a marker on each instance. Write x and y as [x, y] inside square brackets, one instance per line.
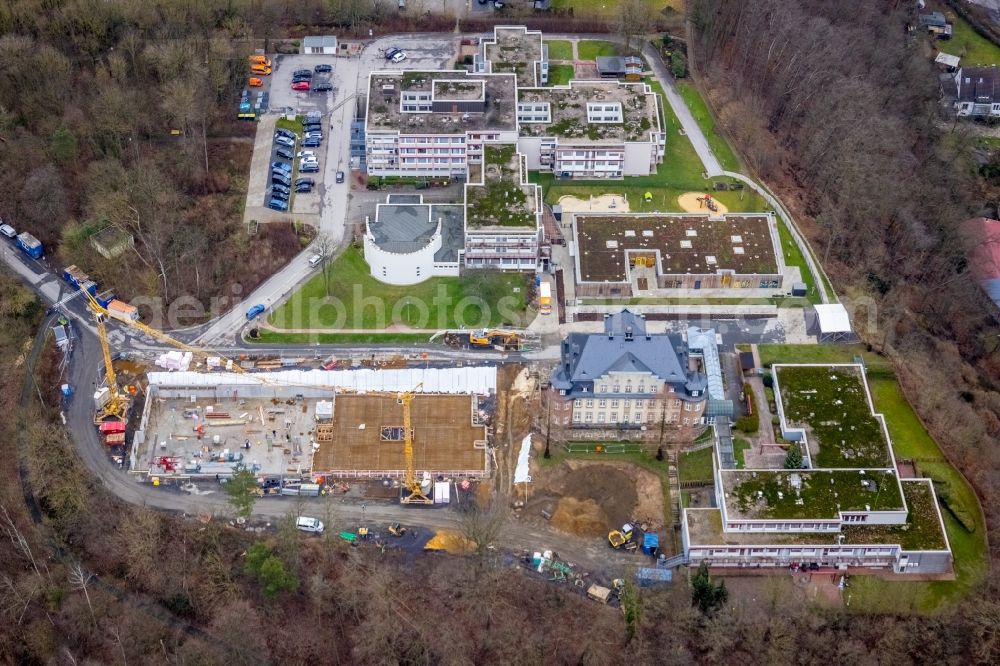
[30, 245]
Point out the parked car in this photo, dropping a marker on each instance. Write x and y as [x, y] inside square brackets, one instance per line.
[312, 142]
[255, 82]
[322, 87]
[281, 196]
[305, 181]
[281, 179]
[281, 131]
[299, 79]
[340, 176]
[309, 168]
[278, 187]
[305, 153]
[302, 72]
[303, 189]
[399, 56]
[391, 51]
[323, 68]
[301, 86]
[7, 230]
[256, 311]
[315, 260]
[278, 205]
[284, 153]
[284, 166]
[314, 134]
[284, 141]
[307, 524]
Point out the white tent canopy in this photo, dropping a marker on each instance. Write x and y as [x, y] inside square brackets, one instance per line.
[480, 380]
[947, 60]
[833, 321]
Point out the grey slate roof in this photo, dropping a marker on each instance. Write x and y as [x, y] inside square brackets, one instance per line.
[976, 83]
[314, 41]
[624, 347]
[935, 19]
[406, 224]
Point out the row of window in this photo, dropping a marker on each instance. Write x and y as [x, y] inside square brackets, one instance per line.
[429, 139]
[636, 418]
[598, 112]
[431, 151]
[638, 404]
[428, 160]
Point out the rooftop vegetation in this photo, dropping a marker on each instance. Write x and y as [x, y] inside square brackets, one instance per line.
[831, 403]
[501, 199]
[818, 495]
[922, 530]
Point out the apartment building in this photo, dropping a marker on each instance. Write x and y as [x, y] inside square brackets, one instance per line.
[503, 213]
[515, 50]
[591, 129]
[435, 124]
[626, 378]
[846, 507]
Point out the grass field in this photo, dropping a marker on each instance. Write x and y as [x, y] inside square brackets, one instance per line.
[794, 257]
[588, 49]
[560, 49]
[560, 75]
[609, 8]
[696, 466]
[359, 301]
[910, 440]
[699, 109]
[969, 45]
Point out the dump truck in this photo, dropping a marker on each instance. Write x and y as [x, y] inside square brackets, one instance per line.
[30, 245]
[545, 298]
[622, 537]
[123, 311]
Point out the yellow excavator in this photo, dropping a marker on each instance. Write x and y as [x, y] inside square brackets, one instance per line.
[495, 338]
[412, 486]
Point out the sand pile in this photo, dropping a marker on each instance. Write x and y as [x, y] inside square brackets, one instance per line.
[580, 517]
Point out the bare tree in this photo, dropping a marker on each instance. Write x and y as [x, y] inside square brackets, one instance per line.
[325, 247]
[18, 539]
[80, 580]
[482, 522]
[633, 19]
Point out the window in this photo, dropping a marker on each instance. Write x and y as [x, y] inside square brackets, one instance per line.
[628, 387]
[618, 388]
[604, 388]
[534, 113]
[598, 112]
[614, 417]
[576, 417]
[614, 404]
[642, 388]
[590, 417]
[590, 403]
[578, 403]
[602, 403]
[600, 417]
[638, 417]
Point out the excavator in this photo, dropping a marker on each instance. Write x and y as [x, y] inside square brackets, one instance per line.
[495, 338]
[416, 494]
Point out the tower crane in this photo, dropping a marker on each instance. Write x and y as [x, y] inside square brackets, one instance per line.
[117, 405]
[416, 495]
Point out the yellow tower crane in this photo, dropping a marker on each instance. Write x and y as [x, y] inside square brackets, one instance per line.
[416, 495]
[117, 405]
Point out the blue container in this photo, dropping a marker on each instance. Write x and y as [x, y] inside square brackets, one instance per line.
[650, 543]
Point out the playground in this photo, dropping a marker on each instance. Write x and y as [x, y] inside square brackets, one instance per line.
[597, 204]
[701, 202]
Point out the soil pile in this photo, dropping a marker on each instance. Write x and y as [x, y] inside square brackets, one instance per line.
[580, 517]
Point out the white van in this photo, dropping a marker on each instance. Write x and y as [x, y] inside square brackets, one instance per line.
[7, 230]
[315, 260]
[307, 524]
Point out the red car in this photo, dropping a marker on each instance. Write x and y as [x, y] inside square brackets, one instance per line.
[301, 85]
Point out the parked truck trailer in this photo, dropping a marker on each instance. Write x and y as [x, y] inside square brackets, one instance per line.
[30, 245]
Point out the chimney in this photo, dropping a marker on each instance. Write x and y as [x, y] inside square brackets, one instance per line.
[628, 334]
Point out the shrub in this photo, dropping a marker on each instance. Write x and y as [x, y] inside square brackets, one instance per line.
[748, 424]
[678, 64]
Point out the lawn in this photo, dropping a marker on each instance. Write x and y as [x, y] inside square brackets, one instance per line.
[559, 49]
[560, 75]
[696, 465]
[609, 8]
[969, 45]
[705, 119]
[910, 440]
[359, 301]
[794, 257]
[589, 49]
[739, 446]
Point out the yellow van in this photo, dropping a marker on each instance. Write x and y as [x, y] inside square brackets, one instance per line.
[260, 69]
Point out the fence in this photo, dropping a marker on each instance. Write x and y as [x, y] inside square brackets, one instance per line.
[605, 447]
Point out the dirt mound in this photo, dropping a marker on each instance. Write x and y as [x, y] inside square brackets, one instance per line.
[609, 487]
[580, 517]
[449, 541]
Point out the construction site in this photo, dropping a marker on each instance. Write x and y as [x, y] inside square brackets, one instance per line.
[314, 424]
